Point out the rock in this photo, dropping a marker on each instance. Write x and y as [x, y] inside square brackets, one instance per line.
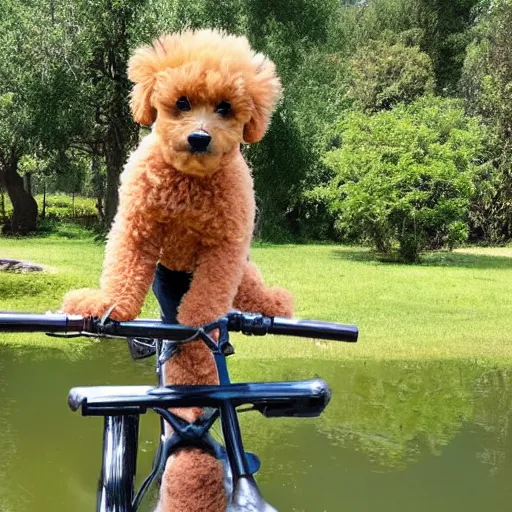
[7, 265]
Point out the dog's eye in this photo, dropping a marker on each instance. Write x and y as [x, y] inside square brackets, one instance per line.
[223, 108]
[183, 104]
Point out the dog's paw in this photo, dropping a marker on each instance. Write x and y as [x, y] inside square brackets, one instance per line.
[195, 317]
[86, 302]
[89, 302]
[279, 303]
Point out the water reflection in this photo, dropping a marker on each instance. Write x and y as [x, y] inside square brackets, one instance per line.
[396, 412]
[397, 436]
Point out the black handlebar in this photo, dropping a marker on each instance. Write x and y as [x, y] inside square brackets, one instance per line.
[247, 323]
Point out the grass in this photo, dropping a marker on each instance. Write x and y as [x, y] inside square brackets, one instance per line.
[453, 306]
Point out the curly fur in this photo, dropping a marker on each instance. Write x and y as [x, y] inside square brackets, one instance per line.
[190, 211]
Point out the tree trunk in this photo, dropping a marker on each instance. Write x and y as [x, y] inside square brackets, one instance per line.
[27, 178]
[43, 213]
[24, 206]
[2, 205]
[122, 131]
[120, 136]
[115, 160]
[97, 183]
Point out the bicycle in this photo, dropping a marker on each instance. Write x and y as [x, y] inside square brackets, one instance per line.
[121, 406]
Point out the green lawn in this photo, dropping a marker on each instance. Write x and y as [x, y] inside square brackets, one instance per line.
[454, 305]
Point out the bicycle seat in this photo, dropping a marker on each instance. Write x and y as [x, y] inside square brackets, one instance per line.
[246, 497]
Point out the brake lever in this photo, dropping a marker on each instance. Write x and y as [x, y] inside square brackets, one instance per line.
[223, 344]
[106, 316]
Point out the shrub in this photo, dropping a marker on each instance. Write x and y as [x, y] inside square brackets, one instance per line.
[404, 177]
[385, 74]
[61, 207]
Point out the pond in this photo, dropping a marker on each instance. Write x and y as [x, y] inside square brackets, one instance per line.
[396, 436]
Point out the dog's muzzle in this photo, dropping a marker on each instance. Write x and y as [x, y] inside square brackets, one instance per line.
[199, 141]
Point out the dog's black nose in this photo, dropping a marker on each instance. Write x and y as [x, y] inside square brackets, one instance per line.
[199, 141]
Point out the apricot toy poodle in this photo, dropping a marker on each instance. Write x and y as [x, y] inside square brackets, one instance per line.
[187, 208]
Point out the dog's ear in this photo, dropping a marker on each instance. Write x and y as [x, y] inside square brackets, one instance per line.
[140, 103]
[265, 89]
[142, 69]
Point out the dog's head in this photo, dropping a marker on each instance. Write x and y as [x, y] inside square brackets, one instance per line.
[205, 92]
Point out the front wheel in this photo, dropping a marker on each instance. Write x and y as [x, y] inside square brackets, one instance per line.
[116, 485]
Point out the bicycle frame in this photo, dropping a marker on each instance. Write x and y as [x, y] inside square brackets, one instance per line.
[122, 406]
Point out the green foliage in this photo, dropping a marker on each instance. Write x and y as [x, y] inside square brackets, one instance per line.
[405, 176]
[34, 62]
[9, 109]
[384, 75]
[64, 110]
[491, 207]
[384, 20]
[447, 33]
[279, 163]
[63, 207]
[295, 35]
[438, 27]
[487, 86]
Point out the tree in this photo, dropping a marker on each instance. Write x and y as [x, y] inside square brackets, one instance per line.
[487, 86]
[37, 100]
[384, 75]
[448, 38]
[405, 177]
[100, 34]
[295, 34]
[441, 29]
[16, 83]
[12, 147]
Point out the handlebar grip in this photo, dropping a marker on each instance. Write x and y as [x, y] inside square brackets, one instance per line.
[29, 322]
[259, 325]
[314, 329]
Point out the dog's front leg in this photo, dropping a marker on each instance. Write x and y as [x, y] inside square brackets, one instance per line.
[131, 255]
[215, 282]
[253, 296]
